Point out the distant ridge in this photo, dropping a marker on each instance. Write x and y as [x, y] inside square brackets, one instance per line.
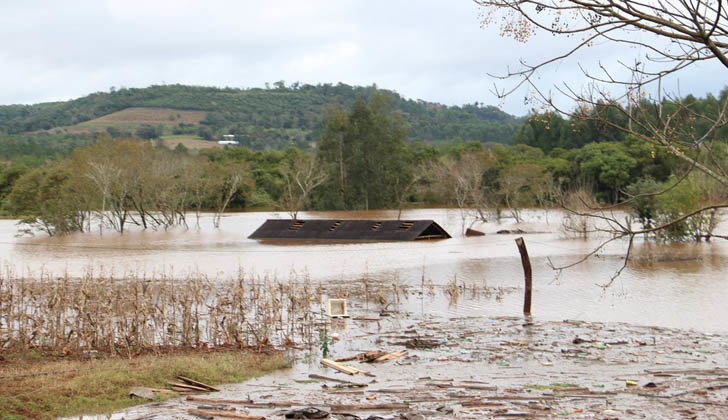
[278, 117]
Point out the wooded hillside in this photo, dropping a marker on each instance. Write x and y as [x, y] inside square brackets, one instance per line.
[276, 117]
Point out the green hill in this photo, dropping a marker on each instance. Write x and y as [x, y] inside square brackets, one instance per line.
[260, 118]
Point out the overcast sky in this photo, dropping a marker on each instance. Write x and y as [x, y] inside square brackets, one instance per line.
[434, 50]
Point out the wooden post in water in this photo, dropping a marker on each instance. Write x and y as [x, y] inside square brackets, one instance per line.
[526, 262]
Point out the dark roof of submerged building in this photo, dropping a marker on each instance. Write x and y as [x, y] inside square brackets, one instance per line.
[350, 230]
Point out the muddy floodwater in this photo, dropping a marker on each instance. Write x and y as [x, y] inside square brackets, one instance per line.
[676, 286]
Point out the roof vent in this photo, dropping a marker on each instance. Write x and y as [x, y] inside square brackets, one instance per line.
[296, 225]
[406, 225]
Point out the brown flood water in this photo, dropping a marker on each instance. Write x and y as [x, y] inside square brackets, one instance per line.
[682, 286]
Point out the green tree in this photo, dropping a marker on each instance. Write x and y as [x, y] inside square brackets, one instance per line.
[609, 165]
[642, 202]
[48, 200]
[149, 132]
[9, 174]
[676, 208]
[365, 153]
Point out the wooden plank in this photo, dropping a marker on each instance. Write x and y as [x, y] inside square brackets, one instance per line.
[390, 356]
[208, 400]
[196, 383]
[341, 381]
[349, 370]
[523, 397]
[364, 357]
[385, 406]
[188, 387]
[246, 403]
[227, 414]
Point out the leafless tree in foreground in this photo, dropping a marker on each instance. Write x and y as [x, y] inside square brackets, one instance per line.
[673, 35]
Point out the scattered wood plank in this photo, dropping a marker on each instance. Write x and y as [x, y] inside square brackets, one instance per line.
[353, 407]
[390, 356]
[717, 404]
[558, 390]
[341, 381]
[211, 401]
[480, 403]
[717, 371]
[364, 357]
[343, 392]
[350, 370]
[246, 403]
[215, 413]
[477, 387]
[196, 383]
[376, 356]
[522, 397]
[180, 387]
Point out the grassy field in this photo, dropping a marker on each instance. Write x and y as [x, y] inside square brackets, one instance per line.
[132, 118]
[139, 116]
[190, 142]
[44, 387]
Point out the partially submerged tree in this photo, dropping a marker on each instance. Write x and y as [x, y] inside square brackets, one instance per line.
[300, 178]
[117, 183]
[49, 200]
[225, 182]
[521, 185]
[459, 180]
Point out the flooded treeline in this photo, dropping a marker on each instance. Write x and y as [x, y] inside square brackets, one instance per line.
[362, 161]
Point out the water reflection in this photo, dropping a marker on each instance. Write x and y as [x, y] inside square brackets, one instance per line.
[678, 285]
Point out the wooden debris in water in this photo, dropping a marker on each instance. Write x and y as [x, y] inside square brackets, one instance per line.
[350, 370]
[215, 413]
[246, 403]
[473, 232]
[385, 406]
[187, 388]
[376, 356]
[390, 356]
[197, 384]
[341, 381]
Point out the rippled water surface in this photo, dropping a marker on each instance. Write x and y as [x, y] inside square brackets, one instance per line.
[678, 285]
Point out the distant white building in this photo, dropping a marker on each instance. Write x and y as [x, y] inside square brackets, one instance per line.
[228, 140]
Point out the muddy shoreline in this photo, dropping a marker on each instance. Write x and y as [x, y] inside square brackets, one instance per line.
[491, 367]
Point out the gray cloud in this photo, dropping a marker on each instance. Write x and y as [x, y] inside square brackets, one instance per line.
[431, 49]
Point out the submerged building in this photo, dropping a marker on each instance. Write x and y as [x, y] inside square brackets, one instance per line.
[350, 230]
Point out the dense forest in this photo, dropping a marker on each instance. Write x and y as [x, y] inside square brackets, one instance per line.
[365, 157]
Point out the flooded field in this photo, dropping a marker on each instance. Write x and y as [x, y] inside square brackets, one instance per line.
[682, 286]
[480, 367]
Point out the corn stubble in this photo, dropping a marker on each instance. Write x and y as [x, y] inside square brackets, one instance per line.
[132, 314]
